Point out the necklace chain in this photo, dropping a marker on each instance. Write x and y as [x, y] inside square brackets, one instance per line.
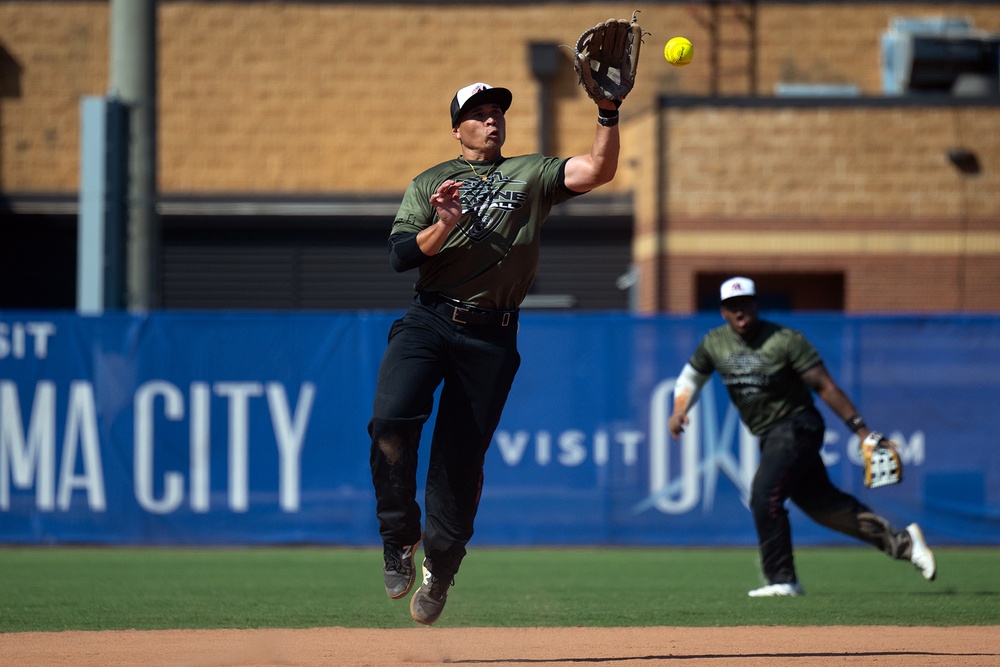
[481, 177]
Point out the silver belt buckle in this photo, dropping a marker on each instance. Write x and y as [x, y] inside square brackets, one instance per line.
[506, 319]
[454, 315]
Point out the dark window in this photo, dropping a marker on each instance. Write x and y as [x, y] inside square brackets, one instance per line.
[779, 291]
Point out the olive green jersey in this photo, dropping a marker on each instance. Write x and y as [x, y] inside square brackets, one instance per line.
[491, 256]
[763, 375]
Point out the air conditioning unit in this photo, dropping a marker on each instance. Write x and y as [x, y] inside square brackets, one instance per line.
[939, 55]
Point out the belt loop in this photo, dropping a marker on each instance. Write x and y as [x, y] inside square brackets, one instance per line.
[506, 319]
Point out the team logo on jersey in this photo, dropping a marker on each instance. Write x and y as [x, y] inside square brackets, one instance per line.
[486, 204]
[746, 372]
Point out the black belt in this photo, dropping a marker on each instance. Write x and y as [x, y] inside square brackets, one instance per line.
[466, 313]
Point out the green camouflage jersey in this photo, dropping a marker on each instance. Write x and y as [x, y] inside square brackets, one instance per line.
[762, 376]
[491, 256]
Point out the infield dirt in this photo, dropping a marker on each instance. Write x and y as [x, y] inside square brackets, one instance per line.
[885, 646]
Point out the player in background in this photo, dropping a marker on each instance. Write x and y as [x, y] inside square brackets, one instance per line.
[771, 372]
[471, 225]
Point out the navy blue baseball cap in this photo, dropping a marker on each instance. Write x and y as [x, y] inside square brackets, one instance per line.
[478, 93]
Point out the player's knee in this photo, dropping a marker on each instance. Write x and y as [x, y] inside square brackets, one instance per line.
[394, 439]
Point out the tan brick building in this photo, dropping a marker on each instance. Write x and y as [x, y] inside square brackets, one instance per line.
[279, 119]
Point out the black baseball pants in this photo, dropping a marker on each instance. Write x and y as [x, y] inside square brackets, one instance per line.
[475, 366]
[791, 468]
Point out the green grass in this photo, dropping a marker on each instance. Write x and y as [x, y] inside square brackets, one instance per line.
[95, 588]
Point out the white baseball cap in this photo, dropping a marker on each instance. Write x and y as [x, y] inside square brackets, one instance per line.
[476, 94]
[735, 287]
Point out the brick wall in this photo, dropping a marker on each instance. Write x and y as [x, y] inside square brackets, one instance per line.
[863, 189]
[291, 98]
[54, 54]
[866, 162]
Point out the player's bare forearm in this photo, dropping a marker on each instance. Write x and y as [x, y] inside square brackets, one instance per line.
[679, 419]
[838, 401]
[448, 207]
[599, 166]
[604, 153]
[819, 380]
[432, 238]
[686, 390]
[605, 59]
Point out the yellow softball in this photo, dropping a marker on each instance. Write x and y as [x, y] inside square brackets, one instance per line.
[678, 51]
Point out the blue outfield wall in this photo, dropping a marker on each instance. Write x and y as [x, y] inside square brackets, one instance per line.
[250, 428]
